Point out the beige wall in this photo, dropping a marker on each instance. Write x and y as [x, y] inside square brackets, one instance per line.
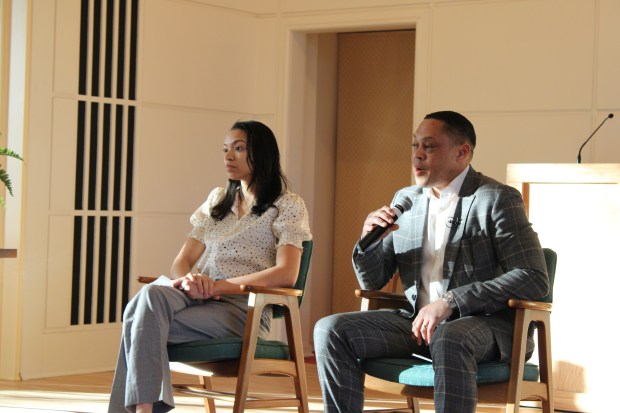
[535, 76]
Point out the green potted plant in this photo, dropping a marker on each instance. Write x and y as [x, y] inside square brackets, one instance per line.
[4, 176]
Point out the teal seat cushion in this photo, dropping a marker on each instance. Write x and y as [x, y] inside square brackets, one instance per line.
[225, 349]
[420, 373]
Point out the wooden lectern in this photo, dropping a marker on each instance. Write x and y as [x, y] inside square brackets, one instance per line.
[575, 209]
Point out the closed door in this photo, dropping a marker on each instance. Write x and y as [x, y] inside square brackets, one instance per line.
[374, 130]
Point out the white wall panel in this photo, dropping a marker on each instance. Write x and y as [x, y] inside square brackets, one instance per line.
[186, 62]
[265, 72]
[515, 55]
[62, 179]
[180, 158]
[158, 240]
[67, 42]
[609, 56]
[59, 271]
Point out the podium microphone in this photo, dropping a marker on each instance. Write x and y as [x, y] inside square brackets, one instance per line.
[611, 115]
[378, 230]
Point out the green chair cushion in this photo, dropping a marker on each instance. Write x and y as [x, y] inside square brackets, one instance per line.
[420, 373]
[225, 349]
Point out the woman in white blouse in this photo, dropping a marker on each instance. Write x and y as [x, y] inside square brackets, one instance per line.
[248, 233]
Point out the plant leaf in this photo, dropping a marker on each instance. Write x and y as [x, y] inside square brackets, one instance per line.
[4, 177]
[8, 152]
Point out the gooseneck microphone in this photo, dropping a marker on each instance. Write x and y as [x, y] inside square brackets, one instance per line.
[378, 230]
[611, 115]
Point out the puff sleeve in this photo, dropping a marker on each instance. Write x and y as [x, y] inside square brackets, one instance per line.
[291, 226]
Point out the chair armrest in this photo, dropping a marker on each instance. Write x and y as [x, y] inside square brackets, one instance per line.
[244, 289]
[529, 305]
[375, 300]
[380, 295]
[270, 290]
[145, 280]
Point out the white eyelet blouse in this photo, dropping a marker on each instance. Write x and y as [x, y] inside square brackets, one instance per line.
[236, 247]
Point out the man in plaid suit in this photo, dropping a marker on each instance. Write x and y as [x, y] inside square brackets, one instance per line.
[463, 247]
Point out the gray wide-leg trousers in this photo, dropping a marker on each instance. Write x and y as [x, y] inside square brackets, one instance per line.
[159, 315]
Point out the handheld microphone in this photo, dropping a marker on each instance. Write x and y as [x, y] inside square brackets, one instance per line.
[378, 230]
[611, 115]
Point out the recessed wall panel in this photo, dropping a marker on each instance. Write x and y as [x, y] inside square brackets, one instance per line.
[608, 91]
[512, 55]
[58, 293]
[62, 178]
[188, 63]
[266, 73]
[181, 157]
[67, 40]
[164, 233]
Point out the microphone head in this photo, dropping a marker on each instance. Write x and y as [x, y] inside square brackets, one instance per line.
[611, 115]
[403, 204]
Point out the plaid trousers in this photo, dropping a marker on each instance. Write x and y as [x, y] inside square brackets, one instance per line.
[456, 348]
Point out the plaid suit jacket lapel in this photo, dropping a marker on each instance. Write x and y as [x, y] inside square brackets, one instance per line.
[459, 222]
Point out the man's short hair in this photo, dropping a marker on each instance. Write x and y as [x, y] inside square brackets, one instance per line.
[456, 125]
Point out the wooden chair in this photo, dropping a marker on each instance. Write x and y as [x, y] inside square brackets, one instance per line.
[243, 357]
[498, 383]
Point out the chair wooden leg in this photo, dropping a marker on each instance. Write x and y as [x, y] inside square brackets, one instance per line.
[295, 344]
[512, 408]
[207, 383]
[252, 326]
[414, 404]
[545, 360]
[517, 367]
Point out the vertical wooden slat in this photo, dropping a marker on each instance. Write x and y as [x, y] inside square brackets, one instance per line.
[79, 156]
[127, 51]
[115, 305]
[123, 159]
[101, 269]
[108, 271]
[89, 269]
[92, 156]
[126, 260]
[114, 57]
[83, 73]
[89, 50]
[133, 52]
[120, 53]
[118, 156]
[77, 268]
[96, 48]
[105, 158]
[108, 28]
[131, 120]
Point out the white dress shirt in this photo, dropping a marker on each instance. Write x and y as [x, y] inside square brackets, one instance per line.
[440, 210]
